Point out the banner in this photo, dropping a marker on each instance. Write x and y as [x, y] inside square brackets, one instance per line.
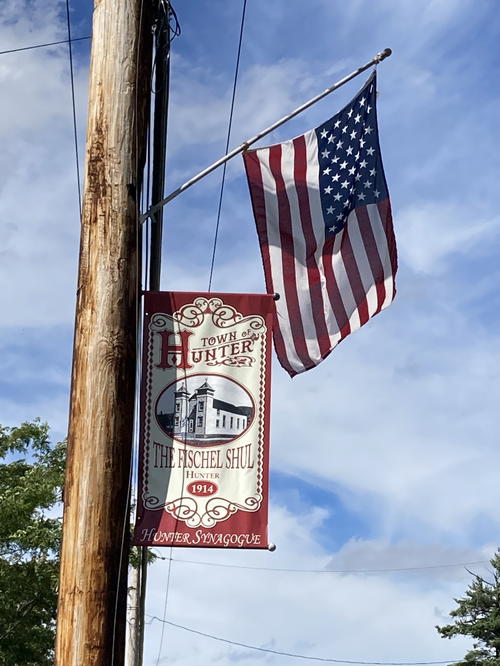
[205, 394]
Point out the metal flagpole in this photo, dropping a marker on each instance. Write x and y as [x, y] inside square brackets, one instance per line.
[246, 144]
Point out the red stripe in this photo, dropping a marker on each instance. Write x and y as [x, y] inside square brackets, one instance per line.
[372, 253]
[384, 209]
[334, 296]
[313, 273]
[254, 175]
[354, 277]
[288, 258]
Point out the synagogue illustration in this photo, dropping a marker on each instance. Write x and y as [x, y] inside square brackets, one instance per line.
[202, 417]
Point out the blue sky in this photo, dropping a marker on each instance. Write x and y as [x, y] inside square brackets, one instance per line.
[387, 454]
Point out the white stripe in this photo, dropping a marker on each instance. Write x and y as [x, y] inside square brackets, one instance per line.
[383, 251]
[319, 232]
[273, 239]
[361, 258]
[299, 243]
[342, 279]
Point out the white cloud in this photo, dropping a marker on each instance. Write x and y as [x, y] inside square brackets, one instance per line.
[431, 233]
[325, 615]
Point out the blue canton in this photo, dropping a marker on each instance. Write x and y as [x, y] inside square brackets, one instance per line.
[350, 166]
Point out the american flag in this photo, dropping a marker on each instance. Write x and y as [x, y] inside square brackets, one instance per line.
[324, 223]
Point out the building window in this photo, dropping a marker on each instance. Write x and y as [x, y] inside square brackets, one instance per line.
[176, 420]
[177, 407]
[199, 421]
[231, 422]
[217, 423]
[237, 423]
[191, 425]
[224, 421]
[218, 412]
[201, 404]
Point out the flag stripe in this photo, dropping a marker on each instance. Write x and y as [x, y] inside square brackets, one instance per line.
[306, 170]
[367, 225]
[318, 341]
[384, 208]
[289, 158]
[342, 325]
[254, 168]
[287, 257]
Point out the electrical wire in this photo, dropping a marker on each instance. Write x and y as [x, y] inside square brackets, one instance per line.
[334, 571]
[75, 132]
[41, 46]
[223, 180]
[295, 655]
[164, 621]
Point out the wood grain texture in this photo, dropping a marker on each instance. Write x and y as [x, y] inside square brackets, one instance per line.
[103, 382]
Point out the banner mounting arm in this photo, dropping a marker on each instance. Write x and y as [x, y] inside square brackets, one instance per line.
[246, 144]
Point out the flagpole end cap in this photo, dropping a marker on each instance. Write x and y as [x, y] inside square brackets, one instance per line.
[383, 55]
[271, 547]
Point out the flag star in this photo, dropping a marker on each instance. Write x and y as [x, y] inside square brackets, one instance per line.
[362, 101]
[335, 177]
[326, 172]
[345, 183]
[367, 183]
[346, 203]
[361, 196]
[368, 109]
[368, 130]
[372, 172]
[376, 193]
[325, 153]
[363, 163]
[330, 210]
[343, 165]
[344, 129]
[335, 159]
[324, 134]
[357, 118]
[356, 157]
[362, 142]
[349, 151]
[336, 124]
[340, 217]
[350, 113]
[352, 171]
[352, 134]
[340, 144]
[357, 177]
[352, 190]
[328, 189]
[331, 138]
[332, 228]
[370, 151]
[337, 196]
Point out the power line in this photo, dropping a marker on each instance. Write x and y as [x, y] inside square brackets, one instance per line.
[75, 132]
[295, 655]
[334, 571]
[41, 46]
[230, 123]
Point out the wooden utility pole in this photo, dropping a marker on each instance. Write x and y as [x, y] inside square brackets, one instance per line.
[94, 557]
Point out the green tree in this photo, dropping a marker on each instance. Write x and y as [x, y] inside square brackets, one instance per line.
[478, 615]
[31, 479]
